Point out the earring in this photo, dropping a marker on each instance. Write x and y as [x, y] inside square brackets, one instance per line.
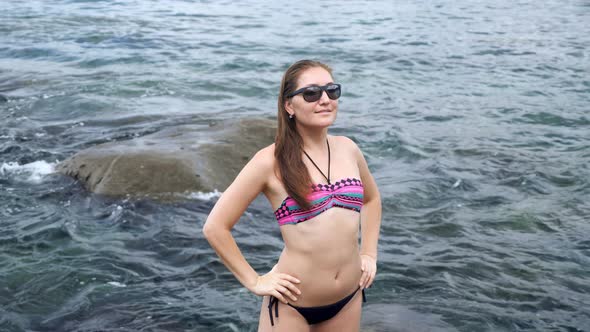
[290, 116]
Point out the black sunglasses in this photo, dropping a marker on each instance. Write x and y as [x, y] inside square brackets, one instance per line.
[314, 93]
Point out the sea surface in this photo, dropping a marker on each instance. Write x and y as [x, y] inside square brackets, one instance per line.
[473, 117]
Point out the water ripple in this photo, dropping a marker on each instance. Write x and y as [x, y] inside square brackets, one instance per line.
[473, 120]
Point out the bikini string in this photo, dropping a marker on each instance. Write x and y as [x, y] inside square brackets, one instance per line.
[316, 166]
[273, 301]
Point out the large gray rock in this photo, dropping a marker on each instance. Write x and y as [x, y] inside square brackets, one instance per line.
[188, 158]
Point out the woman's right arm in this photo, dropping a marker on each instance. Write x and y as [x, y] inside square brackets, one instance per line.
[225, 214]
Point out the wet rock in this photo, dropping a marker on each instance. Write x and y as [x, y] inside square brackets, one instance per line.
[189, 158]
[397, 318]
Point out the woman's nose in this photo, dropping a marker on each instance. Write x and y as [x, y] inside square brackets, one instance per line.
[324, 98]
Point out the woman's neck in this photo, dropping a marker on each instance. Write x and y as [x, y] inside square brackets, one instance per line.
[314, 139]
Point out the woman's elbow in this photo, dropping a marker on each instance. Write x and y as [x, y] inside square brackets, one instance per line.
[209, 230]
[213, 231]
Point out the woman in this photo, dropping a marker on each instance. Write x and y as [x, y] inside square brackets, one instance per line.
[321, 191]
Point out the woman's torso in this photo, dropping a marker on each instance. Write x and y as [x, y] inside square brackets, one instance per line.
[322, 252]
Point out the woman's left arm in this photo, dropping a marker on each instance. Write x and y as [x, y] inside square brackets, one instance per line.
[370, 221]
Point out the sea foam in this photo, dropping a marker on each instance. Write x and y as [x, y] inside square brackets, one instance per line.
[31, 172]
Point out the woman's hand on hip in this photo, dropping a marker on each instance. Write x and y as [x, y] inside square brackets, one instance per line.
[369, 268]
[280, 285]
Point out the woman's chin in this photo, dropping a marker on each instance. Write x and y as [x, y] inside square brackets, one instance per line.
[322, 124]
[322, 121]
[325, 120]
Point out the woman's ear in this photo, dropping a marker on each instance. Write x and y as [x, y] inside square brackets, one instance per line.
[289, 106]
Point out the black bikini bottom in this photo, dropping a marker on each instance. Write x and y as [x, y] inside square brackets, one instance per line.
[314, 315]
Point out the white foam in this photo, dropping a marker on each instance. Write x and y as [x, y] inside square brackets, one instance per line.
[116, 284]
[205, 196]
[32, 172]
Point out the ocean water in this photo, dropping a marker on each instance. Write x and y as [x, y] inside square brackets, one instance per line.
[473, 117]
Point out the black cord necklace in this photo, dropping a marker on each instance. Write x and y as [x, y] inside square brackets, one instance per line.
[316, 166]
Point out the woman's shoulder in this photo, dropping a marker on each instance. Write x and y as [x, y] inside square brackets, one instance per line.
[348, 145]
[345, 142]
[265, 157]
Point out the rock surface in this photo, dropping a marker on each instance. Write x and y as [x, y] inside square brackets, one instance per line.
[190, 158]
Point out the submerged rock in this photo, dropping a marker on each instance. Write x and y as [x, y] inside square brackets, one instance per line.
[397, 318]
[191, 158]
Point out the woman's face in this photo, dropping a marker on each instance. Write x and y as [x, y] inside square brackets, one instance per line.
[320, 113]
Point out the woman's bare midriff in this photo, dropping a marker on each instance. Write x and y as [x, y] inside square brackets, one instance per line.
[323, 254]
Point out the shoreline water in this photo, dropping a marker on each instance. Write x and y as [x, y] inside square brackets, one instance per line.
[473, 120]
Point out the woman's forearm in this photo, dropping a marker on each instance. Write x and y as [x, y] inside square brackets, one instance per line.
[226, 248]
[370, 225]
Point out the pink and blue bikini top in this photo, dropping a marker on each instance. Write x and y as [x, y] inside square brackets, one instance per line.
[345, 193]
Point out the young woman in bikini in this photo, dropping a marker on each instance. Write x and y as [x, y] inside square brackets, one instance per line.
[322, 192]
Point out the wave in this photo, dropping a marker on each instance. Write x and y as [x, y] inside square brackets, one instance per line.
[206, 196]
[31, 172]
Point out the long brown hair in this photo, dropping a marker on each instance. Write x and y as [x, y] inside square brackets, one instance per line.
[288, 142]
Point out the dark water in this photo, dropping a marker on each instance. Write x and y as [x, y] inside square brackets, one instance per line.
[473, 117]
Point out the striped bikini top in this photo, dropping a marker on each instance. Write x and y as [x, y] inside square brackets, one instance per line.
[345, 193]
